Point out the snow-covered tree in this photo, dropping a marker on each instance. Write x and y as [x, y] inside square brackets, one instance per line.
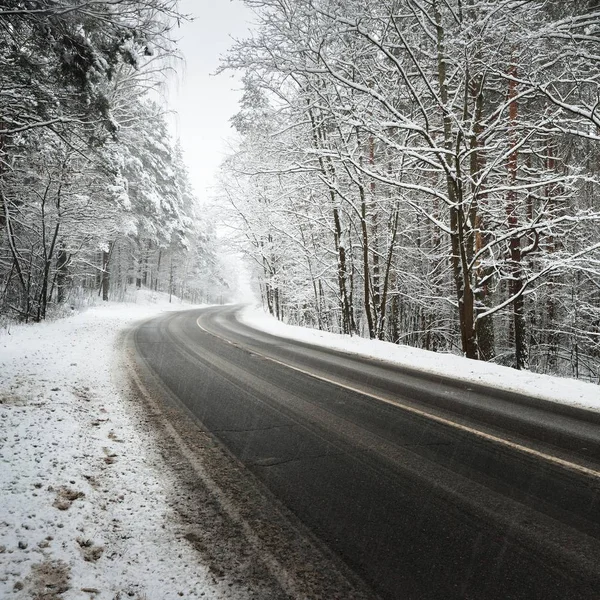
[93, 192]
[443, 155]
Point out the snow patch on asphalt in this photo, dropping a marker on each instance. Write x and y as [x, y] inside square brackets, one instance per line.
[83, 501]
[546, 387]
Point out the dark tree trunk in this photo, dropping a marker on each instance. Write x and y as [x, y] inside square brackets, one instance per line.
[347, 316]
[105, 280]
[374, 242]
[62, 274]
[171, 279]
[460, 269]
[157, 270]
[515, 284]
[484, 326]
[365, 262]
[328, 170]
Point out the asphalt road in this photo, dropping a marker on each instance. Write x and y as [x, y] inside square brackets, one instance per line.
[426, 488]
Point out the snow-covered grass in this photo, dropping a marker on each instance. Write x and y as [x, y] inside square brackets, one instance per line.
[546, 387]
[83, 504]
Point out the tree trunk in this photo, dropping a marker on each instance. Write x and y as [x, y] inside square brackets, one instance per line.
[366, 267]
[464, 292]
[157, 270]
[484, 326]
[348, 326]
[105, 281]
[552, 326]
[381, 325]
[328, 171]
[171, 278]
[374, 242]
[44, 295]
[515, 283]
[62, 274]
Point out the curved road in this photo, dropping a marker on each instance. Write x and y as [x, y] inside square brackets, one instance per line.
[425, 487]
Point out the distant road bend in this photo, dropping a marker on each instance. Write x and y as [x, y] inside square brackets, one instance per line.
[426, 488]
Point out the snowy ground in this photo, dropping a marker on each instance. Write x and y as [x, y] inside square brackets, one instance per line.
[86, 493]
[555, 389]
[83, 498]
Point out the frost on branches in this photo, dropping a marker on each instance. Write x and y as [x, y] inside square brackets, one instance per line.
[94, 196]
[426, 173]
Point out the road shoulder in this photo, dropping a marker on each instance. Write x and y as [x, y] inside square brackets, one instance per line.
[84, 509]
[236, 525]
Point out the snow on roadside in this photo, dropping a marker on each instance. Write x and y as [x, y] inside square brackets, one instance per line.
[83, 508]
[546, 387]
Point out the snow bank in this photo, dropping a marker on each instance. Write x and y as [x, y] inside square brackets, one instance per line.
[546, 387]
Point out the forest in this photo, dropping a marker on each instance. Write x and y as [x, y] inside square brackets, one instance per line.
[425, 172]
[95, 197]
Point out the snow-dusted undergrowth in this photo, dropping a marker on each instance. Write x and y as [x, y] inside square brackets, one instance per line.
[555, 389]
[83, 506]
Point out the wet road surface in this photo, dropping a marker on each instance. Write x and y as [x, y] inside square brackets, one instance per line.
[426, 488]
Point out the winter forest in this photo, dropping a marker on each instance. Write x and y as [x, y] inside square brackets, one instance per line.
[94, 195]
[426, 172]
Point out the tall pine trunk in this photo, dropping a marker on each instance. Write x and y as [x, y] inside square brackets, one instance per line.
[515, 282]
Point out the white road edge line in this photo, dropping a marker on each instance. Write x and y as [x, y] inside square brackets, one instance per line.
[279, 572]
[481, 434]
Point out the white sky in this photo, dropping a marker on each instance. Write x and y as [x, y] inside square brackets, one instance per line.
[204, 103]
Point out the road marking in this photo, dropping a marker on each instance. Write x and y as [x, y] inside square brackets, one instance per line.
[416, 411]
[283, 576]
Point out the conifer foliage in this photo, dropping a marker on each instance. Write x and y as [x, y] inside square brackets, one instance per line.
[93, 193]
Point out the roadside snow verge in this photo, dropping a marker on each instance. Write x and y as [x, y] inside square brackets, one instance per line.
[83, 502]
[546, 387]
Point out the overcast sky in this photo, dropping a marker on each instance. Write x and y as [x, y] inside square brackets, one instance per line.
[205, 103]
